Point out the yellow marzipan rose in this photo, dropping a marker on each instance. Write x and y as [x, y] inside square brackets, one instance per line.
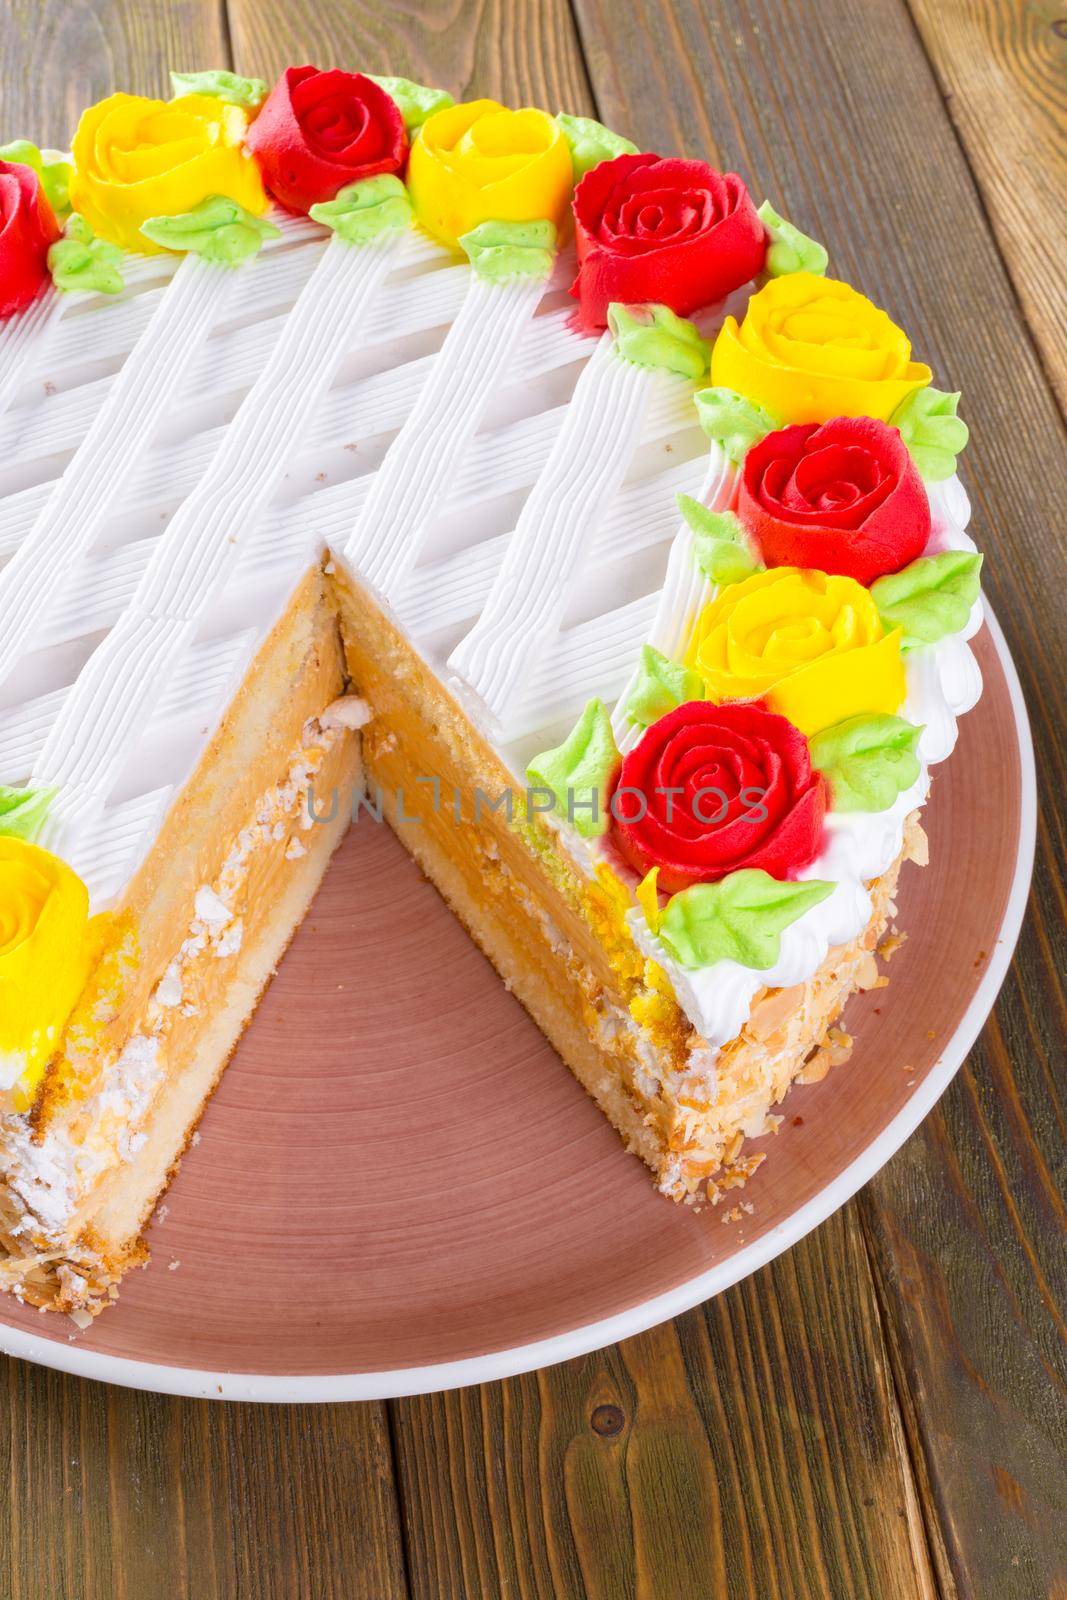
[480, 162]
[136, 158]
[44, 960]
[810, 348]
[811, 646]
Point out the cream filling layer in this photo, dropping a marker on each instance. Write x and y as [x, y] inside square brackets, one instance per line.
[52, 1178]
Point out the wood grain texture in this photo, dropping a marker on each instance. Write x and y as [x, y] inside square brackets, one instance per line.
[122, 1496]
[512, 1489]
[58, 56]
[966, 1225]
[747, 1449]
[519, 50]
[1002, 66]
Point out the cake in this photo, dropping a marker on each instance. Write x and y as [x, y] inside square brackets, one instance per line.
[538, 494]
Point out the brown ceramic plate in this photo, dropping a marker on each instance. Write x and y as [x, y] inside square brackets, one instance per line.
[398, 1187]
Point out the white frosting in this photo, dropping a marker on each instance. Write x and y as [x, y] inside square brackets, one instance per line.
[589, 460]
[100, 468]
[23, 341]
[418, 472]
[685, 589]
[642, 515]
[858, 847]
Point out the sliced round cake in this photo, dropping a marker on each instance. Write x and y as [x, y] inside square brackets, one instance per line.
[541, 495]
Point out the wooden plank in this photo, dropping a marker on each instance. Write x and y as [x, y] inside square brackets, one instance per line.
[972, 1268]
[56, 59]
[837, 117]
[116, 1495]
[516, 49]
[747, 1449]
[1002, 67]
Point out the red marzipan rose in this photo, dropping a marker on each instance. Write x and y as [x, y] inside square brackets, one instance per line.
[668, 232]
[720, 787]
[844, 497]
[27, 228]
[319, 131]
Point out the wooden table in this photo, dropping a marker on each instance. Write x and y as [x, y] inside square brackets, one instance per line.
[880, 1412]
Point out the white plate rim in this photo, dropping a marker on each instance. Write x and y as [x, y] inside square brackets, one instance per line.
[283, 1388]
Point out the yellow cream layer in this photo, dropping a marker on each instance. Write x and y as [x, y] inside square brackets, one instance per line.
[297, 671]
[418, 732]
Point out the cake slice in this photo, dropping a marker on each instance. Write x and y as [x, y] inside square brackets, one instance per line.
[540, 495]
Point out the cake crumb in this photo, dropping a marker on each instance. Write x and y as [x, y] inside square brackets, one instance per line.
[230, 942]
[837, 1049]
[210, 909]
[169, 987]
[347, 711]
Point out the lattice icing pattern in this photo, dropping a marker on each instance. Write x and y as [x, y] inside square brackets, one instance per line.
[418, 472]
[191, 562]
[23, 342]
[82, 733]
[685, 589]
[447, 588]
[543, 556]
[504, 483]
[96, 475]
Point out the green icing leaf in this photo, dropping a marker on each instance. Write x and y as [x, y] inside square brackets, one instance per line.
[23, 811]
[581, 770]
[82, 263]
[932, 431]
[740, 918]
[501, 251]
[868, 760]
[24, 152]
[590, 142]
[55, 173]
[790, 250]
[653, 336]
[366, 210]
[218, 229]
[734, 423]
[661, 685]
[247, 92]
[931, 597]
[415, 101]
[720, 548]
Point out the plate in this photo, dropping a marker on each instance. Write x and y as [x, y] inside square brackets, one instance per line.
[399, 1188]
